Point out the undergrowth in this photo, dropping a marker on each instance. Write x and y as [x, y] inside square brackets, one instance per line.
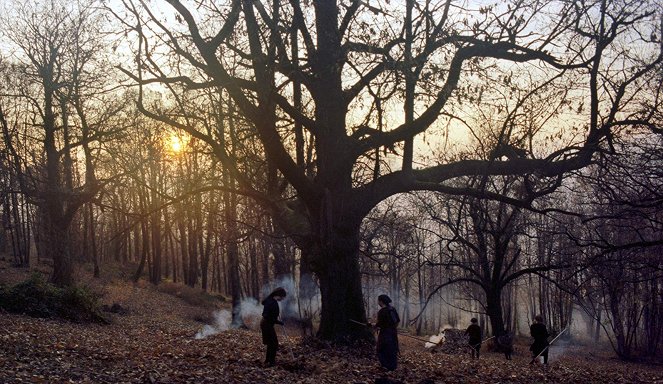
[37, 298]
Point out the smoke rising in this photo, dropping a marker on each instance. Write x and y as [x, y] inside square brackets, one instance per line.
[250, 311]
[222, 320]
[300, 301]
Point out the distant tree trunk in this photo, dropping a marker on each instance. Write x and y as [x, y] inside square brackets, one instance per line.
[136, 237]
[623, 348]
[233, 256]
[193, 254]
[410, 85]
[254, 270]
[265, 263]
[597, 329]
[17, 220]
[652, 320]
[422, 294]
[155, 219]
[230, 201]
[155, 235]
[173, 255]
[405, 316]
[183, 243]
[145, 249]
[167, 243]
[282, 260]
[208, 241]
[93, 240]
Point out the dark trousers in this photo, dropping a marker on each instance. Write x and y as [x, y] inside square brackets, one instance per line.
[270, 358]
[270, 340]
[476, 347]
[537, 348]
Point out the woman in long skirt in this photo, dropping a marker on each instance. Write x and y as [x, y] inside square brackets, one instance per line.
[270, 317]
[387, 323]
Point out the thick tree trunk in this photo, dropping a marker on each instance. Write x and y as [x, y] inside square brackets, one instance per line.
[57, 235]
[494, 310]
[308, 288]
[340, 286]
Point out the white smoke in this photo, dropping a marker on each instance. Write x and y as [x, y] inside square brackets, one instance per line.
[445, 327]
[250, 311]
[222, 320]
[559, 348]
[435, 340]
[293, 305]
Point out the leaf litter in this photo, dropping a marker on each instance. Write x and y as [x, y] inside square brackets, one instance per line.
[153, 342]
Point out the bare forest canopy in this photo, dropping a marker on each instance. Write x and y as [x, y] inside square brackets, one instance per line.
[492, 159]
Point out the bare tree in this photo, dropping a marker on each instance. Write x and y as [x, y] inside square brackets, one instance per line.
[621, 235]
[341, 59]
[64, 107]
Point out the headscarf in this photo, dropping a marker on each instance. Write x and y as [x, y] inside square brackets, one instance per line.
[280, 291]
[385, 299]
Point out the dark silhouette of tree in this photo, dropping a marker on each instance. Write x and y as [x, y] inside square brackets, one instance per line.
[245, 48]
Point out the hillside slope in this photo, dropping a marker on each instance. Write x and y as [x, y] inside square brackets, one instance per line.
[153, 341]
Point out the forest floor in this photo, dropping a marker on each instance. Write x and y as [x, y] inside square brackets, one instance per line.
[153, 341]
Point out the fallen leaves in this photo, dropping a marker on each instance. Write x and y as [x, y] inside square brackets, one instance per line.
[153, 343]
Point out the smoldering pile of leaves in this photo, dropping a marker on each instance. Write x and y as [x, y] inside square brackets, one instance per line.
[452, 342]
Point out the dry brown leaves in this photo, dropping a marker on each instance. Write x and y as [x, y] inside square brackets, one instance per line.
[154, 343]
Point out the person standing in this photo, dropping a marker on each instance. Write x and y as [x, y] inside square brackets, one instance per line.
[474, 331]
[270, 317]
[387, 324]
[540, 334]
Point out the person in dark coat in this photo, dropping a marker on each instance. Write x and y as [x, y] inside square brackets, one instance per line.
[505, 344]
[270, 317]
[474, 331]
[387, 324]
[540, 334]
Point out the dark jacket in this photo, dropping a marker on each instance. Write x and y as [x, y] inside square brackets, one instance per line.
[387, 318]
[474, 331]
[270, 311]
[540, 334]
[270, 316]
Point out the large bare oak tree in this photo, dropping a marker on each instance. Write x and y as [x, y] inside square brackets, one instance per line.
[324, 78]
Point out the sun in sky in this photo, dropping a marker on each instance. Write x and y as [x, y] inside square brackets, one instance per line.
[176, 143]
